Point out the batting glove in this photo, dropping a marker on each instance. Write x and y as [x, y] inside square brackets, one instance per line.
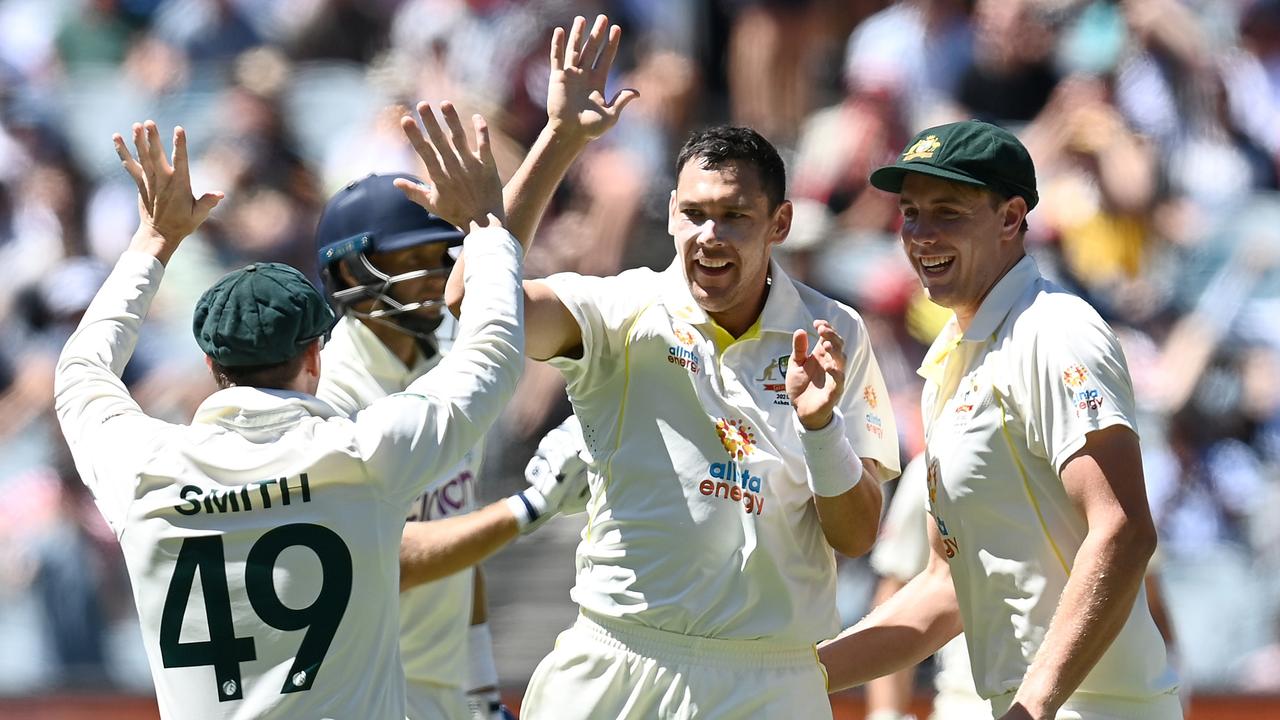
[557, 476]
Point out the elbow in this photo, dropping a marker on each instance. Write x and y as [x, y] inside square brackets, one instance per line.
[853, 542]
[1135, 538]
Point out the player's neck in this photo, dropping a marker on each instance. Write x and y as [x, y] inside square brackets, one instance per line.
[401, 344]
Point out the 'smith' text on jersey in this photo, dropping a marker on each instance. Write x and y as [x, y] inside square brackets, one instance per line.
[276, 492]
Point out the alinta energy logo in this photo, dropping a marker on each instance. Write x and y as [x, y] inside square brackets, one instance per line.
[1086, 399]
[729, 480]
[684, 353]
[874, 424]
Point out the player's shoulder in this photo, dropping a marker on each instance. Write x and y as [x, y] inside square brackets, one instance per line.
[636, 283]
[1049, 314]
[820, 306]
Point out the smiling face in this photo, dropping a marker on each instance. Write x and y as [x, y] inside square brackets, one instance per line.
[960, 239]
[725, 231]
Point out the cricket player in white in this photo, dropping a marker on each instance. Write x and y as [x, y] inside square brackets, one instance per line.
[388, 289]
[290, 515]
[1041, 532]
[730, 458]
[901, 553]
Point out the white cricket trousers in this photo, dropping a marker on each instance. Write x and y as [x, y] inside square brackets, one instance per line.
[602, 669]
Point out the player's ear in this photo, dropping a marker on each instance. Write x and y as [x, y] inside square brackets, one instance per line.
[345, 275]
[782, 216]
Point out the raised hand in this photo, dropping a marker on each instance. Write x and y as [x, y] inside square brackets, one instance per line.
[462, 185]
[579, 69]
[168, 210]
[815, 381]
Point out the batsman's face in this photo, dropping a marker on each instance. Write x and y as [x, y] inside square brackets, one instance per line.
[431, 256]
[960, 239]
[725, 232]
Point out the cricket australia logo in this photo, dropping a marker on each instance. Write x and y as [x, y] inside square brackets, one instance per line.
[729, 480]
[923, 149]
[773, 379]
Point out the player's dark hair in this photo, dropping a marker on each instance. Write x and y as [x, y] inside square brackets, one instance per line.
[277, 376]
[716, 146]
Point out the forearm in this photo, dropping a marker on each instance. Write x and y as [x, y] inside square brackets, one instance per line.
[900, 633]
[439, 548]
[845, 493]
[851, 520]
[526, 196]
[891, 693]
[87, 386]
[1109, 568]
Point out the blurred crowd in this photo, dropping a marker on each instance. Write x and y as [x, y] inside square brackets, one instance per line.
[1154, 126]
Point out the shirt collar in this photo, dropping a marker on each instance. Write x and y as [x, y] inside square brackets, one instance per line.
[993, 310]
[996, 305]
[248, 408]
[784, 311]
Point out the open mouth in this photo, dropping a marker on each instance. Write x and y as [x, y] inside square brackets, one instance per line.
[935, 264]
[712, 267]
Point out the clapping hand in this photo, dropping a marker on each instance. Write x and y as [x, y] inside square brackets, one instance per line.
[815, 381]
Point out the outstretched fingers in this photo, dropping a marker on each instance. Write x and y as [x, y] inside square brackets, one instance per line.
[576, 41]
[600, 71]
[484, 149]
[131, 165]
[557, 49]
[181, 167]
[143, 146]
[590, 54]
[457, 134]
[155, 148]
[425, 149]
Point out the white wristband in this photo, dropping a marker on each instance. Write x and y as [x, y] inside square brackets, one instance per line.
[482, 672]
[832, 467]
[527, 506]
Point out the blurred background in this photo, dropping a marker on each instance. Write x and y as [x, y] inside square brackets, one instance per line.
[1154, 125]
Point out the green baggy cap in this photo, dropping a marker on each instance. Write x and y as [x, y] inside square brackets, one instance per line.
[261, 314]
[970, 152]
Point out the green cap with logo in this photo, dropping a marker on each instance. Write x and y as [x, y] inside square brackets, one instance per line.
[970, 152]
[261, 314]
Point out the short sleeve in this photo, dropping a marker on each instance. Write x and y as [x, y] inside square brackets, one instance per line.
[1078, 382]
[605, 309]
[868, 413]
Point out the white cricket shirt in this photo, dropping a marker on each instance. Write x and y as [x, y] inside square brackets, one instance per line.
[262, 541]
[356, 369]
[902, 552]
[700, 520]
[1005, 404]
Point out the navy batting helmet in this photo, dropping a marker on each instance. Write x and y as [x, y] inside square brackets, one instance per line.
[372, 216]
